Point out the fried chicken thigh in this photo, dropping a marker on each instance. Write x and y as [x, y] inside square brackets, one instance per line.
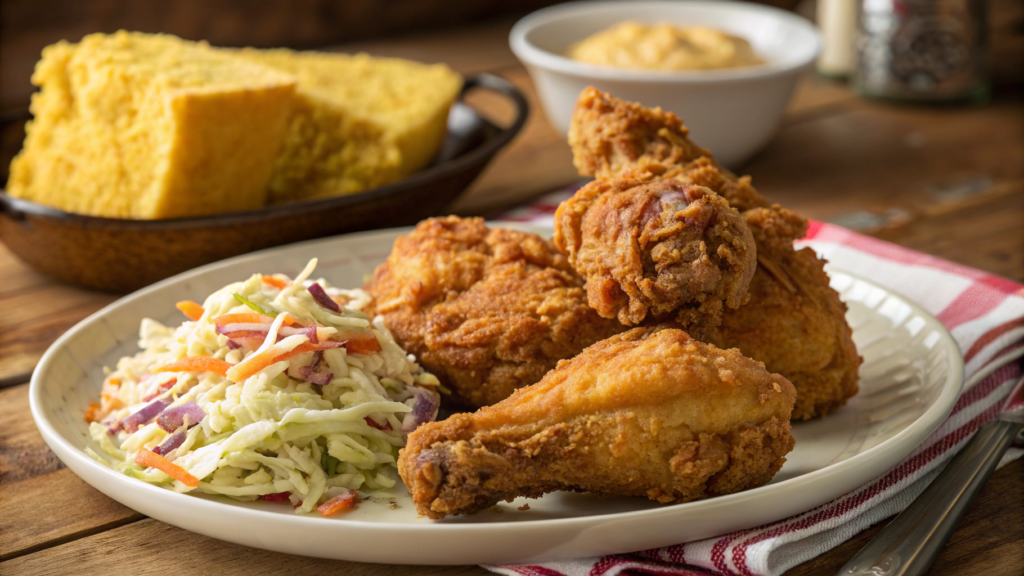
[650, 412]
[487, 311]
[793, 322]
[657, 249]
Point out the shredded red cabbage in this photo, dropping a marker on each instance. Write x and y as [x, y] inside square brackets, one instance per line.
[321, 297]
[173, 418]
[134, 421]
[278, 497]
[170, 443]
[160, 389]
[373, 424]
[423, 411]
[309, 374]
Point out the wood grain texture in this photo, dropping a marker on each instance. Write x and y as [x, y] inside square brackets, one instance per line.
[43, 503]
[878, 157]
[23, 453]
[137, 547]
[52, 509]
[34, 311]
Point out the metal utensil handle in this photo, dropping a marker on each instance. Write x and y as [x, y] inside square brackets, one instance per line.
[912, 541]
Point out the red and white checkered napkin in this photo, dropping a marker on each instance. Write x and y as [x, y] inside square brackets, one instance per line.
[984, 313]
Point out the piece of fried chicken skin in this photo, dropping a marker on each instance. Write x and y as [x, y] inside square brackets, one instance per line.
[657, 250]
[794, 321]
[485, 310]
[650, 413]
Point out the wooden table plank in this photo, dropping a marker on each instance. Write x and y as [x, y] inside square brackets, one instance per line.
[44, 504]
[877, 157]
[151, 547]
[52, 509]
[23, 453]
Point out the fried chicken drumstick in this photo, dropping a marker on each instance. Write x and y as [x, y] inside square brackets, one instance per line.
[793, 322]
[650, 412]
[657, 249]
[487, 311]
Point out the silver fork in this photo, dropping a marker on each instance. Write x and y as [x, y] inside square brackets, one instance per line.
[909, 545]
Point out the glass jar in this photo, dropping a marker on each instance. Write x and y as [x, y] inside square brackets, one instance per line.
[922, 50]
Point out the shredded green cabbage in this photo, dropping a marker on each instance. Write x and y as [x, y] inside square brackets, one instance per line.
[272, 432]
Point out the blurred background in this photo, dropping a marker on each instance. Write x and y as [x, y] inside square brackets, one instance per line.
[26, 26]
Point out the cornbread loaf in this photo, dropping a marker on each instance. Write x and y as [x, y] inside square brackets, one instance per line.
[360, 122]
[134, 125]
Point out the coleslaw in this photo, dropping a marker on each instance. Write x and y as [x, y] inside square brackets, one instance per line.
[274, 389]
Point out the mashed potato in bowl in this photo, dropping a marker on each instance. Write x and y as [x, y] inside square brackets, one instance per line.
[664, 47]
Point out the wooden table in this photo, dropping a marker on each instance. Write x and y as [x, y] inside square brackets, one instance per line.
[948, 181]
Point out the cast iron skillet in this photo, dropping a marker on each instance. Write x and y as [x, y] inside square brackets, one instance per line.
[120, 255]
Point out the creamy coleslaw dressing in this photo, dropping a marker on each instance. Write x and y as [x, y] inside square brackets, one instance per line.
[267, 433]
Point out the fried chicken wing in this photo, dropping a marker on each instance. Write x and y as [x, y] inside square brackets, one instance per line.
[793, 322]
[650, 412]
[614, 138]
[487, 311]
[656, 249]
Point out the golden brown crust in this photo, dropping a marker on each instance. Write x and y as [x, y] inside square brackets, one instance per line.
[614, 138]
[651, 412]
[656, 250]
[795, 322]
[485, 310]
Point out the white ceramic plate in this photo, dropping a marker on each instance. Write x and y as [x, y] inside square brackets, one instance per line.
[910, 379]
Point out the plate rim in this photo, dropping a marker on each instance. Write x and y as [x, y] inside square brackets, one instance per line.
[904, 442]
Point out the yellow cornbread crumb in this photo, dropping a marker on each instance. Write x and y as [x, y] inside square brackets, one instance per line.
[360, 122]
[135, 125]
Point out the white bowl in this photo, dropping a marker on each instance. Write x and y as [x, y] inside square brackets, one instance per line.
[734, 112]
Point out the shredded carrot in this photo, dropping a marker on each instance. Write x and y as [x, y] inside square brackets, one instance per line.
[197, 364]
[253, 364]
[363, 344]
[190, 309]
[339, 504]
[91, 413]
[276, 282]
[109, 403]
[151, 459]
[115, 382]
[249, 318]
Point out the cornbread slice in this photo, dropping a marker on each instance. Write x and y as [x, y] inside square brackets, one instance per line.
[361, 122]
[134, 125]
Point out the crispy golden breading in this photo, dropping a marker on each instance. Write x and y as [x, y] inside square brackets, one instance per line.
[656, 250]
[487, 311]
[651, 412]
[795, 322]
[611, 137]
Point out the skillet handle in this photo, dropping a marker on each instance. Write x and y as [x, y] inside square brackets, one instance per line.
[504, 87]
